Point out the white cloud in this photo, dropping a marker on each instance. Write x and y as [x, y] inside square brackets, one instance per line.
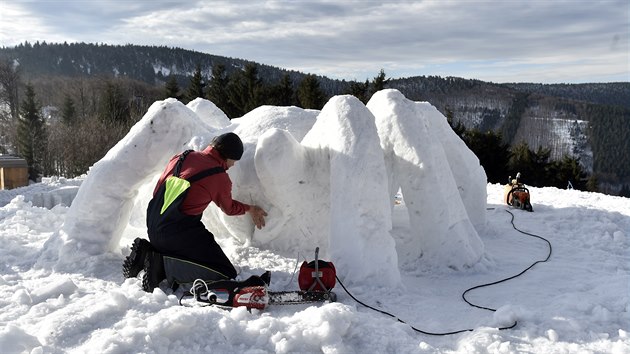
[355, 39]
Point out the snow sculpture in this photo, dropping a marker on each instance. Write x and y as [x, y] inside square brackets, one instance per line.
[104, 201]
[327, 179]
[469, 175]
[249, 187]
[331, 192]
[441, 230]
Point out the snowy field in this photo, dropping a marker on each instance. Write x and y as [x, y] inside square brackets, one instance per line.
[575, 303]
[62, 289]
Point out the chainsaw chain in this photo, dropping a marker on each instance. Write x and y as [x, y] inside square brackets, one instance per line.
[299, 297]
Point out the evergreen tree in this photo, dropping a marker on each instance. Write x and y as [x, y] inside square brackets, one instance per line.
[492, 152]
[196, 87]
[68, 111]
[592, 184]
[540, 163]
[246, 91]
[309, 94]
[521, 160]
[565, 171]
[217, 89]
[379, 82]
[282, 94]
[534, 166]
[360, 90]
[31, 134]
[171, 89]
[114, 108]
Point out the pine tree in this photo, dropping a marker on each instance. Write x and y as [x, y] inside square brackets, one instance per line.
[217, 88]
[171, 88]
[283, 93]
[68, 111]
[540, 162]
[565, 171]
[310, 95]
[521, 160]
[534, 166]
[592, 184]
[379, 82]
[360, 90]
[114, 108]
[196, 87]
[246, 90]
[489, 148]
[31, 133]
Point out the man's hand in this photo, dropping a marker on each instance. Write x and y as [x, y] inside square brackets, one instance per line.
[258, 216]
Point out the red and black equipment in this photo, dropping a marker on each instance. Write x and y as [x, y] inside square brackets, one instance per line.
[317, 275]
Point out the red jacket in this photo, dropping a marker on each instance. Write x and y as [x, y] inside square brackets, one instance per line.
[216, 188]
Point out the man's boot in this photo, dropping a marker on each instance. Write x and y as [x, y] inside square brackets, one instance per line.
[134, 262]
[153, 271]
[266, 277]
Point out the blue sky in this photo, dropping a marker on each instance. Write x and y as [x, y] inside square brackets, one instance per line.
[559, 41]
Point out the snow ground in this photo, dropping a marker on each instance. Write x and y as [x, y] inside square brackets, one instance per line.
[576, 302]
[64, 241]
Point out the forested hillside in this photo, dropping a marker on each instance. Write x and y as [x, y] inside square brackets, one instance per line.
[150, 64]
[107, 88]
[613, 93]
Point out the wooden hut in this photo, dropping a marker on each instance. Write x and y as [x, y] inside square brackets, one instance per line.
[13, 172]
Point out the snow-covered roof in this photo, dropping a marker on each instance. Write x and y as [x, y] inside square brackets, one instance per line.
[12, 161]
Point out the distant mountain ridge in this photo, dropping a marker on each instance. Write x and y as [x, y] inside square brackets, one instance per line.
[613, 93]
[149, 64]
[590, 121]
[153, 65]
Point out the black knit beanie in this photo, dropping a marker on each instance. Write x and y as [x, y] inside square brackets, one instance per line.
[229, 146]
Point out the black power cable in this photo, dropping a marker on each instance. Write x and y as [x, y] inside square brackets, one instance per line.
[398, 319]
[464, 293]
[514, 276]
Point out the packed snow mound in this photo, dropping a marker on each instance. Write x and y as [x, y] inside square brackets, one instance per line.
[101, 209]
[415, 142]
[327, 179]
[316, 200]
[209, 113]
[246, 180]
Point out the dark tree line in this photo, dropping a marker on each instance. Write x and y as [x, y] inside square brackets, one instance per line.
[62, 127]
[364, 90]
[610, 140]
[500, 161]
[244, 90]
[81, 119]
[610, 93]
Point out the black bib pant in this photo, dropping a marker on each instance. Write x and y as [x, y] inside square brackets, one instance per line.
[188, 239]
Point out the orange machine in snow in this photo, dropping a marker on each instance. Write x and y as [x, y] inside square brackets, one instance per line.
[516, 195]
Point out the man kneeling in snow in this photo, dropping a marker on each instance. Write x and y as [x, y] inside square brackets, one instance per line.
[189, 183]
